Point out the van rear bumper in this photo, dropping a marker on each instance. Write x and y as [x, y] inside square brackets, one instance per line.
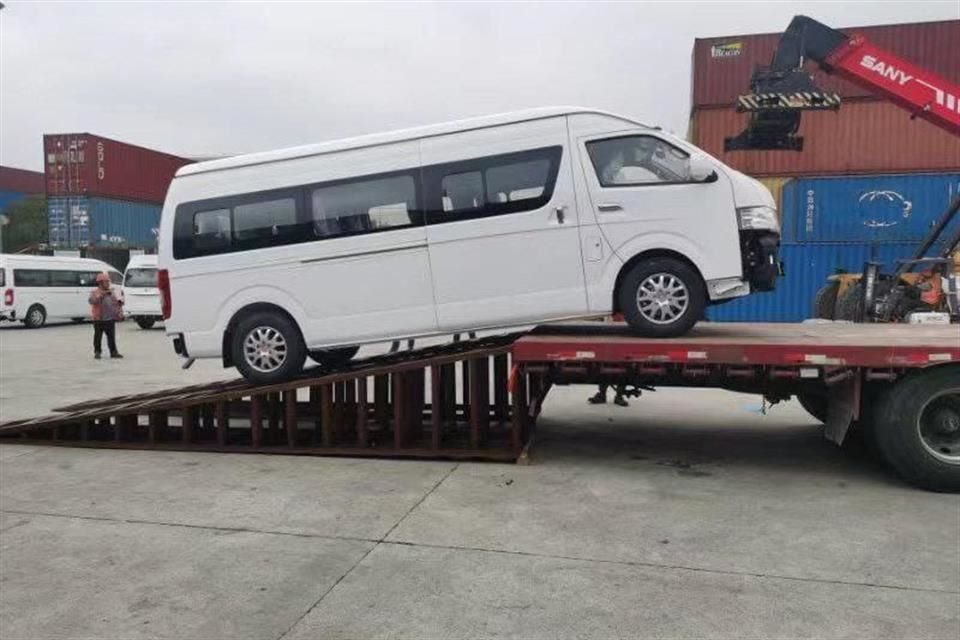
[8, 316]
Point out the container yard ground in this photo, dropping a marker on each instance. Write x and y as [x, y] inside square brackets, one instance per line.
[688, 514]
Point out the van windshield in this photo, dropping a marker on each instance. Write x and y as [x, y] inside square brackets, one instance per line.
[140, 278]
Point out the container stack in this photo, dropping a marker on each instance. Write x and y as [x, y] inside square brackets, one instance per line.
[870, 181]
[103, 194]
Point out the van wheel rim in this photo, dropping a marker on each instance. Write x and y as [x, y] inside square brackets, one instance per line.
[662, 298]
[265, 349]
[36, 317]
[939, 426]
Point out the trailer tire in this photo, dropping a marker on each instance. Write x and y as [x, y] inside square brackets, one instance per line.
[668, 278]
[814, 404]
[333, 358]
[825, 301]
[283, 351]
[849, 304]
[917, 428]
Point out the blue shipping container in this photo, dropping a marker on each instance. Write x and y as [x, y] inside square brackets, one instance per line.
[6, 197]
[102, 222]
[806, 268]
[894, 208]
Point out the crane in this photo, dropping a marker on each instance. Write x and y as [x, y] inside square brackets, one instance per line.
[780, 93]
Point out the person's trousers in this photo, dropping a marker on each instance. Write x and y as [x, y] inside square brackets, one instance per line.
[108, 327]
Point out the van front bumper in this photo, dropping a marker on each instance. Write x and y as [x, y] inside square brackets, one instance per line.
[761, 259]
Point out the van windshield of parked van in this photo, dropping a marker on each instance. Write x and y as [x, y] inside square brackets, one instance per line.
[140, 278]
[638, 160]
[364, 205]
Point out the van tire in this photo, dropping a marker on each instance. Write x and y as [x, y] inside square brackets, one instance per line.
[334, 358]
[653, 275]
[276, 329]
[145, 323]
[36, 317]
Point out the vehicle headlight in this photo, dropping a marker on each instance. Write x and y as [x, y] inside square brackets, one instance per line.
[758, 218]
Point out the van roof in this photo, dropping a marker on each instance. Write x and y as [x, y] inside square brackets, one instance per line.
[54, 260]
[399, 135]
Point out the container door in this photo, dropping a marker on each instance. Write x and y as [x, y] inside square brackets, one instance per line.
[503, 226]
[643, 199]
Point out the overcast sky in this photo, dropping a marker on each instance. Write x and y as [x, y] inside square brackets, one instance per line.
[202, 79]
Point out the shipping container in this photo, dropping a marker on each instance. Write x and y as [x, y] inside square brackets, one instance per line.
[863, 137]
[7, 197]
[722, 66]
[82, 164]
[20, 180]
[102, 222]
[894, 208]
[806, 268]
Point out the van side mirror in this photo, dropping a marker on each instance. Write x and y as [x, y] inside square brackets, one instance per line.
[701, 169]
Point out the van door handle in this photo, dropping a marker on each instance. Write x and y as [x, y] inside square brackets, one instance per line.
[561, 216]
[609, 207]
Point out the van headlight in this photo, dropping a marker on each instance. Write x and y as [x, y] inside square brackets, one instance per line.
[757, 218]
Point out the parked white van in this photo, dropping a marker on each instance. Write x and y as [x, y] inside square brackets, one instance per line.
[141, 298]
[506, 220]
[40, 288]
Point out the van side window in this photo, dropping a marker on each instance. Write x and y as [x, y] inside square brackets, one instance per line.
[493, 185]
[31, 278]
[638, 160]
[211, 231]
[364, 206]
[265, 219]
[64, 279]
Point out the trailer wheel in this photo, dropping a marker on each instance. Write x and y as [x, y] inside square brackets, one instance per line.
[333, 358]
[36, 317]
[825, 302]
[267, 347]
[815, 404]
[918, 428]
[662, 297]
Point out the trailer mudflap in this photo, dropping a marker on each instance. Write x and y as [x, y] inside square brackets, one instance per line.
[843, 406]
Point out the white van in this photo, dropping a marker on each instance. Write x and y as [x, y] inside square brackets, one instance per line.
[141, 297]
[506, 220]
[40, 288]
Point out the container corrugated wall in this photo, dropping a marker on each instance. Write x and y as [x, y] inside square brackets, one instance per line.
[807, 267]
[894, 208]
[7, 197]
[863, 137]
[87, 165]
[104, 222]
[722, 66]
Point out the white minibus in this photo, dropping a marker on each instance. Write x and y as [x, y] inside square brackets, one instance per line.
[500, 221]
[141, 299]
[41, 288]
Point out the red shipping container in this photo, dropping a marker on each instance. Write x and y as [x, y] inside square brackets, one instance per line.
[863, 137]
[722, 66]
[20, 180]
[90, 165]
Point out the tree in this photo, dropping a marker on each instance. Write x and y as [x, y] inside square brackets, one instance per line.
[26, 223]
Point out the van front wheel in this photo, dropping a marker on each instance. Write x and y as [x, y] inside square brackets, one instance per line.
[267, 348]
[662, 297]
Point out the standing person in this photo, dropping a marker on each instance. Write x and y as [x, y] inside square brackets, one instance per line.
[106, 309]
[600, 397]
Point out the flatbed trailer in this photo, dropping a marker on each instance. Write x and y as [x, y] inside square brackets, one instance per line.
[480, 399]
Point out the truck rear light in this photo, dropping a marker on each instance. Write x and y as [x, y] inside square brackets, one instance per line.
[163, 284]
[8, 297]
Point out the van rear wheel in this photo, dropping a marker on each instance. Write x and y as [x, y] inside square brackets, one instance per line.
[36, 317]
[145, 323]
[662, 297]
[267, 347]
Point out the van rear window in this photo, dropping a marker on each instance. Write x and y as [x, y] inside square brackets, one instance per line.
[140, 278]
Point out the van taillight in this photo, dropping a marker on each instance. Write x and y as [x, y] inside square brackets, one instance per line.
[8, 297]
[163, 284]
